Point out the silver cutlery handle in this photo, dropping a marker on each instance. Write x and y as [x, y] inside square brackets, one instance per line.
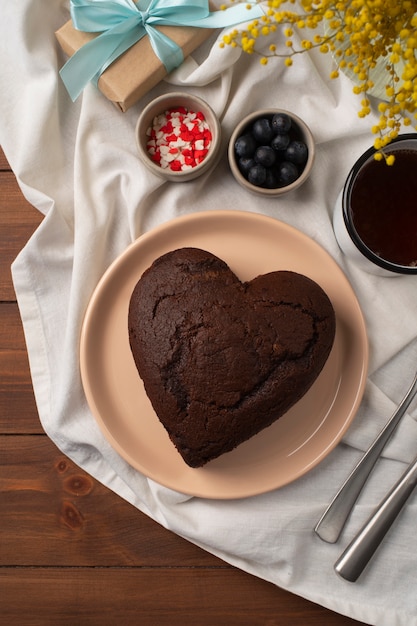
[335, 516]
[359, 552]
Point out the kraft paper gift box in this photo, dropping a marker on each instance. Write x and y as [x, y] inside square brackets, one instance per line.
[138, 70]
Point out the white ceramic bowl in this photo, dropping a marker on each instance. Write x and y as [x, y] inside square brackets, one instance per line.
[159, 106]
[347, 234]
[299, 130]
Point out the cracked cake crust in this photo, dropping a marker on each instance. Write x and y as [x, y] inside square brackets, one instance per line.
[221, 359]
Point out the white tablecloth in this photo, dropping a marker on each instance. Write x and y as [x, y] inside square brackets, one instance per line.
[77, 164]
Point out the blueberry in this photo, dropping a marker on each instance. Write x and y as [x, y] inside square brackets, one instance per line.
[271, 179]
[287, 173]
[245, 163]
[281, 123]
[296, 152]
[245, 146]
[262, 130]
[257, 175]
[265, 155]
[280, 142]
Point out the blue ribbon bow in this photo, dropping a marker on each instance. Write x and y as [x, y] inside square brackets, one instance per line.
[122, 23]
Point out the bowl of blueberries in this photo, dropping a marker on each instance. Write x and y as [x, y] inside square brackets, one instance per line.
[271, 152]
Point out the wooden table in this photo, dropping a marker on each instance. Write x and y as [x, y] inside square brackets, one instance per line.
[73, 552]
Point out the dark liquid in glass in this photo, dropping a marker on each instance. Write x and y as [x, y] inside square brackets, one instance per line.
[384, 207]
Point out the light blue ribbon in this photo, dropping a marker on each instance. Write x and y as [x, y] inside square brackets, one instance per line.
[121, 23]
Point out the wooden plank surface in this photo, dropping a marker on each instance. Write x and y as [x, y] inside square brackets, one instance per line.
[18, 221]
[72, 551]
[150, 597]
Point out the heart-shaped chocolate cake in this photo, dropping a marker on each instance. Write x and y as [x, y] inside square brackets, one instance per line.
[221, 359]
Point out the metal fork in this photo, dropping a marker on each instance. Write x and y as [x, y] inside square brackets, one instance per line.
[337, 513]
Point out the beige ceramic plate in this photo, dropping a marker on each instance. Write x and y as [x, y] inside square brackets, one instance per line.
[251, 244]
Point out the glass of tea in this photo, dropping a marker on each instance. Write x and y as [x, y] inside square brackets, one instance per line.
[375, 217]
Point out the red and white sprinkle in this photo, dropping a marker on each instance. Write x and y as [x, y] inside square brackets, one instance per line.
[179, 139]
